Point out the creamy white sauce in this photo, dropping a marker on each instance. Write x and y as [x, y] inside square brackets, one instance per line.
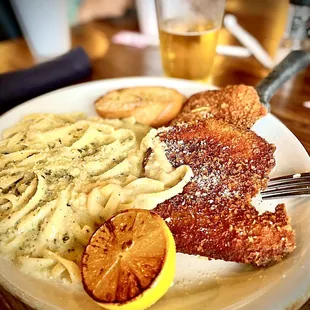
[63, 175]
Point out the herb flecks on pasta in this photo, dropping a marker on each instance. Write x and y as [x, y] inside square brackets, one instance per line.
[63, 175]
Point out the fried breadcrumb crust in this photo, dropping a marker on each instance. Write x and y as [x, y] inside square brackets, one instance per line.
[236, 104]
[213, 217]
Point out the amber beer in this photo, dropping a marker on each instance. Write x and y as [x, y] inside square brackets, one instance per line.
[188, 48]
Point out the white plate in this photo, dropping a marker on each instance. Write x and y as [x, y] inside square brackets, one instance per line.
[199, 283]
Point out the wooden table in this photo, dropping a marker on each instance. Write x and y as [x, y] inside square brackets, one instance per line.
[121, 61]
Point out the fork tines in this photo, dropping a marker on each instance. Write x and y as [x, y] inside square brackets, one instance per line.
[288, 186]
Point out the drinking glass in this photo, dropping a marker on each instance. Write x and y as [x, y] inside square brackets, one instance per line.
[147, 17]
[188, 32]
[45, 26]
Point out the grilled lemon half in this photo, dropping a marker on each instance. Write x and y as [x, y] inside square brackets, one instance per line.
[129, 262]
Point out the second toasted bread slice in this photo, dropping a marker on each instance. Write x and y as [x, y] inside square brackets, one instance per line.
[154, 105]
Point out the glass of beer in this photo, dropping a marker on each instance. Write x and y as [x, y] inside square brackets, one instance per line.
[188, 31]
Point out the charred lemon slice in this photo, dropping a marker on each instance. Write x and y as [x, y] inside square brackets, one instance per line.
[129, 262]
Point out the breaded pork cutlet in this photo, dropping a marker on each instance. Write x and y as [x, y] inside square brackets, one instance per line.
[213, 217]
[236, 104]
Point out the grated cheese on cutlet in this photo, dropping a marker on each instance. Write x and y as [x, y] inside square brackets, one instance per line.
[213, 217]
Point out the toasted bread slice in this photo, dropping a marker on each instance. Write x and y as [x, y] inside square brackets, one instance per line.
[213, 216]
[154, 106]
[236, 104]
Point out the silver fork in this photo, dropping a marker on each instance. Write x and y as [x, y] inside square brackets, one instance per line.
[288, 186]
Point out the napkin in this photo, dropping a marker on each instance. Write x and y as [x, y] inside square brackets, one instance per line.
[19, 86]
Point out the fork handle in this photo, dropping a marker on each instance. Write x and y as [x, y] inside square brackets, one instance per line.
[288, 67]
